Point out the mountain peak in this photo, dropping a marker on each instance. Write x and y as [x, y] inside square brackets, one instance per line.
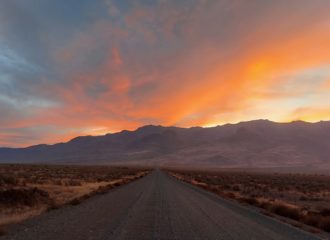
[149, 126]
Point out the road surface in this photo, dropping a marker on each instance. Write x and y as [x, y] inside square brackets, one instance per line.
[155, 207]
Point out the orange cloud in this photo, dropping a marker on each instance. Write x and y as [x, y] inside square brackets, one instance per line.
[199, 88]
[179, 66]
[230, 86]
[310, 114]
[326, 85]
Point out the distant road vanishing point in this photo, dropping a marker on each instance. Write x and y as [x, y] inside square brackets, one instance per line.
[155, 207]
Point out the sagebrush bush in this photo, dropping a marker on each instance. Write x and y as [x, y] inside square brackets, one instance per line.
[325, 212]
[325, 224]
[249, 200]
[2, 231]
[23, 197]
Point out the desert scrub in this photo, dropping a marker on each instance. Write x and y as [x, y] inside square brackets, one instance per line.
[304, 198]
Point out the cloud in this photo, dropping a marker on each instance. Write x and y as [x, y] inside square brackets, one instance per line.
[311, 113]
[117, 65]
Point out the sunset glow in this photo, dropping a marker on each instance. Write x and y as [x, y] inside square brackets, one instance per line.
[93, 67]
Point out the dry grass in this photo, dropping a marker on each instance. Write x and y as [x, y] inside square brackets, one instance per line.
[300, 197]
[29, 190]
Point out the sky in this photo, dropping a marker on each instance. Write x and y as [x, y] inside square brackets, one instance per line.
[92, 67]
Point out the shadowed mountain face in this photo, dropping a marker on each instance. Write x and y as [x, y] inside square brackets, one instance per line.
[258, 143]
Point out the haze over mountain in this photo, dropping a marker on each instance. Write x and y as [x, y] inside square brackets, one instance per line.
[259, 143]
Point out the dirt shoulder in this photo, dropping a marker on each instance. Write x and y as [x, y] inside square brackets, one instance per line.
[301, 200]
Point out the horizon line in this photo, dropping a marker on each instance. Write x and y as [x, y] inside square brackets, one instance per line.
[165, 126]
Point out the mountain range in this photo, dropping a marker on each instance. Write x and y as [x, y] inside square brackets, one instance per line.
[253, 144]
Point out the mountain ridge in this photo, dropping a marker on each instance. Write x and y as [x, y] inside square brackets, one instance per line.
[257, 143]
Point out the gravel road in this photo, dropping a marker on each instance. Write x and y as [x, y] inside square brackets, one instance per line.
[155, 207]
